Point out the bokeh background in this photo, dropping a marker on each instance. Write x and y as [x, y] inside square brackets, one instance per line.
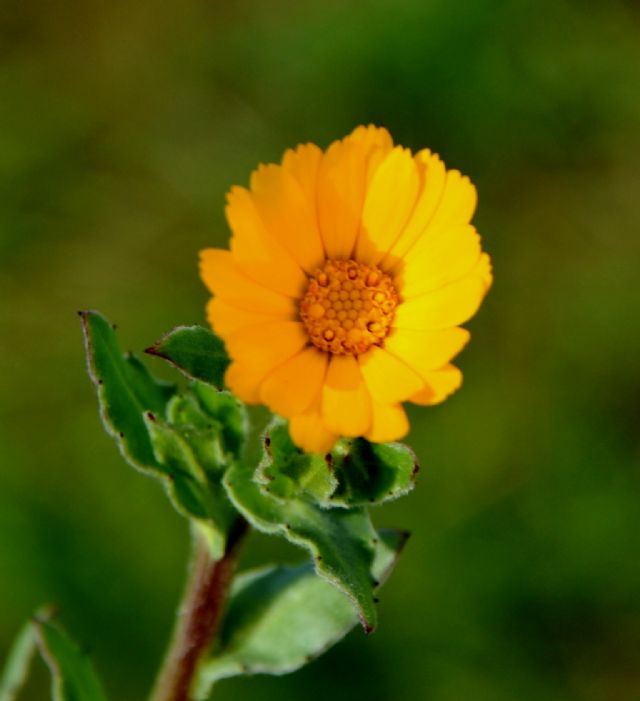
[123, 124]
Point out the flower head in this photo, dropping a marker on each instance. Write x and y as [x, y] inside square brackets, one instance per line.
[348, 276]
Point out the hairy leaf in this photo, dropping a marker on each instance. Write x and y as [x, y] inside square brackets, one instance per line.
[371, 473]
[209, 429]
[196, 351]
[205, 410]
[73, 676]
[287, 472]
[280, 618]
[355, 472]
[126, 390]
[341, 541]
[194, 494]
[17, 663]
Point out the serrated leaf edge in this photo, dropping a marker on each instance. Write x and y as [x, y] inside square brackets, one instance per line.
[156, 471]
[117, 436]
[154, 350]
[56, 672]
[316, 558]
[392, 496]
[246, 670]
[207, 526]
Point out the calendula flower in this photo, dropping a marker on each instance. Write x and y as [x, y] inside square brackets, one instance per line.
[348, 276]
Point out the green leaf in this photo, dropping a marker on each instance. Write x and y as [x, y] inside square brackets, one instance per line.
[354, 473]
[287, 472]
[18, 662]
[341, 541]
[126, 390]
[193, 493]
[372, 473]
[205, 409]
[190, 456]
[280, 618]
[196, 351]
[73, 676]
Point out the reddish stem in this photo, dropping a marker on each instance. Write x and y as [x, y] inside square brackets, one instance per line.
[198, 616]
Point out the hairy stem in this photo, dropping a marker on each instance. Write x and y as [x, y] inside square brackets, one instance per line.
[198, 616]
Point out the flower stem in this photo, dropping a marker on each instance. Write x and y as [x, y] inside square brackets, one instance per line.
[198, 616]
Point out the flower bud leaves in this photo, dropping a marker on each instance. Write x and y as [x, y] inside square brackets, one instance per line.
[371, 473]
[286, 471]
[354, 473]
[318, 502]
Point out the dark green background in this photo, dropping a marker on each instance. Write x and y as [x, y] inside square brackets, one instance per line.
[123, 124]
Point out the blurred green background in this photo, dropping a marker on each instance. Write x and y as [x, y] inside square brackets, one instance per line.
[123, 124]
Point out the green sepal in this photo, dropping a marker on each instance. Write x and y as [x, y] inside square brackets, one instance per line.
[193, 493]
[73, 676]
[126, 390]
[205, 411]
[18, 662]
[287, 472]
[196, 351]
[371, 473]
[354, 473]
[280, 618]
[341, 541]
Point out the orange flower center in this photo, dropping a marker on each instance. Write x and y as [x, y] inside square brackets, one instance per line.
[348, 307]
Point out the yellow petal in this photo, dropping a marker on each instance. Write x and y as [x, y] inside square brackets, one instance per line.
[388, 379]
[377, 143]
[458, 203]
[244, 382]
[345, 170]
[372, 137]
[287, 214]
[308, 431]
[303, 164]
[389, 423]
[426, 350]
[388, 204]
[433, 177]
[438, 259]
[293, 387]
[455, 208]
[440, 384]
[223, 277]
[265, 346]
[256, 252]
[254, 359]
[346, 403]
[226, 318]
[450, 305]
[341, 186]
[484, 270]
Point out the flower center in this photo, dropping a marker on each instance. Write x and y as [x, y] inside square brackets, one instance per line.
[348, 307]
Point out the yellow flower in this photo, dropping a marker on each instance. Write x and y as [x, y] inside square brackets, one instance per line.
[349, 273]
